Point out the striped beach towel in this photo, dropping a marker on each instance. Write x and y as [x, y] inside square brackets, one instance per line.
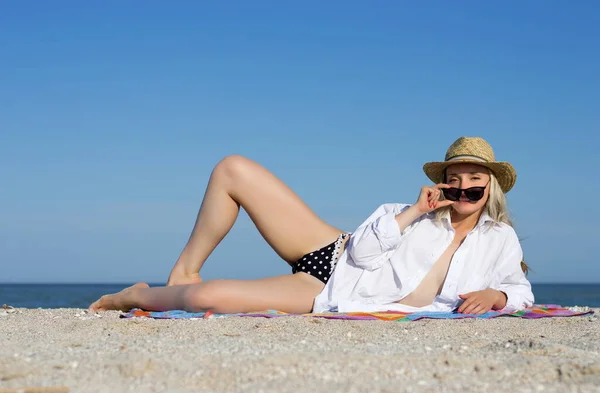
[535, 312]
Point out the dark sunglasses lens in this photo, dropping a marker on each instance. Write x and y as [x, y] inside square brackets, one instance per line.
[452, 194]
[474, 193]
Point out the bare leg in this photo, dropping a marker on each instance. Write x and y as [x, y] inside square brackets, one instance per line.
[290, 293]
[290, 227]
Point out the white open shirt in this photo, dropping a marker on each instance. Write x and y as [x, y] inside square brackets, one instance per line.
[381, 265]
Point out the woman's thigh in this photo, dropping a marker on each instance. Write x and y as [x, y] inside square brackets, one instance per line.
[292, 293]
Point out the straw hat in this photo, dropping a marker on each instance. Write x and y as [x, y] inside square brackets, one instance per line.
[473, 150]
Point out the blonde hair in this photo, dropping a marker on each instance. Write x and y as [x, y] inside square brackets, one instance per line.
[496, 207]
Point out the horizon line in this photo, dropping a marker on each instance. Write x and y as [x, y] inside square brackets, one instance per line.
[162, 284]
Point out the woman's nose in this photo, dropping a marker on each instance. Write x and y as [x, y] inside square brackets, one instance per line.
[464, 183]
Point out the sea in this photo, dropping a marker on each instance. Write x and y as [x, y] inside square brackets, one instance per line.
[82, 295]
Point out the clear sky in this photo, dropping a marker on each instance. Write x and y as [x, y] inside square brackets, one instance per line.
[112, 116]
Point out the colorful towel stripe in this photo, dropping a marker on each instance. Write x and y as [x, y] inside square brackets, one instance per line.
[537, 311]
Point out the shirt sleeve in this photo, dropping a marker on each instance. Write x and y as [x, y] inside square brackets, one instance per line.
[511, 279]
[377, 237]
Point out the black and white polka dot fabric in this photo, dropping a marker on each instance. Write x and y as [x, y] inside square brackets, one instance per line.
[320, 263]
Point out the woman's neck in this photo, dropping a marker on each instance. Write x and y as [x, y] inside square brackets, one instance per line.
[464, 222]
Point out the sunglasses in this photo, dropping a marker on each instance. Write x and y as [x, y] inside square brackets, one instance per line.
[472, 193]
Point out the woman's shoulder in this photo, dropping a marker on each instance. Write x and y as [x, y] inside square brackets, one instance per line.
[395, 207]
[506, 231]
[386, 209]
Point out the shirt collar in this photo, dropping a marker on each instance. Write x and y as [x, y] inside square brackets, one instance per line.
[484, 219]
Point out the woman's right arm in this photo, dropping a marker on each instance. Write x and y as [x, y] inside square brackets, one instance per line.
[379, 236]
[371, 243]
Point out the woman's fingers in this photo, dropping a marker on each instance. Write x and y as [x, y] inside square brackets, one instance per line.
[445, 203]
[477, 309]
[435, 198]
[472, 305]
[481, 309]
[466, 304]
[467, 310]
[430, 192]
[432, 196]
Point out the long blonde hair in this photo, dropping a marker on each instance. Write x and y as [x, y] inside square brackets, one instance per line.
[496, 207]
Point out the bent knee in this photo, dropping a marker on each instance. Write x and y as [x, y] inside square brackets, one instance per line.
[233, 166]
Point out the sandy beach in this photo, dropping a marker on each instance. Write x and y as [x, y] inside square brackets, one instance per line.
[75, 351]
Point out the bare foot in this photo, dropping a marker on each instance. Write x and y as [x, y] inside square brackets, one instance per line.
[177, 278]
[117, 301]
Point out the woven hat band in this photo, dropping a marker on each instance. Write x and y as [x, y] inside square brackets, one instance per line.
[467, 157]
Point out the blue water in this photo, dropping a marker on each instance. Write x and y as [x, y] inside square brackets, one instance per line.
[81, 295]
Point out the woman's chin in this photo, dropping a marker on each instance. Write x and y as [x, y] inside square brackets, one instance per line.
[465, 207]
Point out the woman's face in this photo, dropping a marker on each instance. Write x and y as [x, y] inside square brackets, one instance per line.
[466, 176]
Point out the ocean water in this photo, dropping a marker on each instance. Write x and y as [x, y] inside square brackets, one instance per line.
[81, 295]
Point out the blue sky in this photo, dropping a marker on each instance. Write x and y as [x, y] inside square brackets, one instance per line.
[112, 116]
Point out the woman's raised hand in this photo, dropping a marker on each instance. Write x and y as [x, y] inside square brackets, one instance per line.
[429, 198]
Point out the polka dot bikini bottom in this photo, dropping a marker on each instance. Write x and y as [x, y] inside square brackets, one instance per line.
[320, 263]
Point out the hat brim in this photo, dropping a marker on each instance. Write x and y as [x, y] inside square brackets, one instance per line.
[505, 173]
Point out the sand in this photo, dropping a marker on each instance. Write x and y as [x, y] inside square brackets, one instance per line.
[75, 351]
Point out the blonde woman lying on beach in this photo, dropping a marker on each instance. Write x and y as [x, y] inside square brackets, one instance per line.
[453, 249]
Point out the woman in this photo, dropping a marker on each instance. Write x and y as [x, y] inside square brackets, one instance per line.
[453, 249]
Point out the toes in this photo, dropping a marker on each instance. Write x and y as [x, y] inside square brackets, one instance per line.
[98, 304]
[94, 306]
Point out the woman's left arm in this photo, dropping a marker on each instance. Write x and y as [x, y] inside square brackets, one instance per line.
[511, 279]
[509, 290]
